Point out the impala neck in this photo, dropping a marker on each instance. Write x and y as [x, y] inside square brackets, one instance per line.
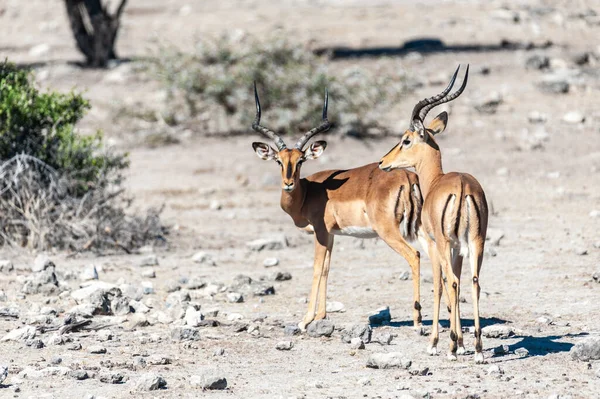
[429, 170]
[292, 202]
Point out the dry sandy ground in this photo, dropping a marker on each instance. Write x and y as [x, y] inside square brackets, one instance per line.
[543, 181]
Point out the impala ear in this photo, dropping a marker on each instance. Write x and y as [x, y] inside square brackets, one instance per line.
[417, 126]
[315, 150]
[264, 151]
[438, 124]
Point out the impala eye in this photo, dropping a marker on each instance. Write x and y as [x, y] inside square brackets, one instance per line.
[406, 142]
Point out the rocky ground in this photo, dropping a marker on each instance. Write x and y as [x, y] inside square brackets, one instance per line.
[213, 313]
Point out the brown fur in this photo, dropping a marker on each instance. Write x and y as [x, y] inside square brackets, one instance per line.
[349, 202]
[454, 223]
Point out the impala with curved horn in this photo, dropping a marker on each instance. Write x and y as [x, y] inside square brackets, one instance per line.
[454, 216]
[362, 202]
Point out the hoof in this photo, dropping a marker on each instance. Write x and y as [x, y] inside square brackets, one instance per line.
[461, 350]
[420, 330]
[452, 357]
[432, 350]
[479, 358]
[302, 326]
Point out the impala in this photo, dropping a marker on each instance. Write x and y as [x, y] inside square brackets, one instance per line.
[362, 202]
[454, 216]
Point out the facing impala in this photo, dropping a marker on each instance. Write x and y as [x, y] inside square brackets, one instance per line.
[454, 216]
[362, 202]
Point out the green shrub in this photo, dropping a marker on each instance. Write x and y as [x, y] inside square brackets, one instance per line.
[59, 189]
[42, 125]
[214, 86]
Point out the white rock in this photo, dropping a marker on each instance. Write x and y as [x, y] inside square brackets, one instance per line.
[149, 273]
[147, 287]
[494, 369]
[270, 262]
[208, 381]
[334, 307]
[284, 345]
[235, 297]
[149, 260]
[41, 262]
[6, 266]
[234, 316]
[204, 258]
[271, 243]
[192, 317]
[139, 307]
[82, 294]
[150, 382]
[89, 273]
[573, 117]
[215, 205]
[20, 334]
[388, 360]
[40, 50]
[357, 343]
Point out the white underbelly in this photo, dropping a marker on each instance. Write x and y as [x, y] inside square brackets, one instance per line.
[355, 231]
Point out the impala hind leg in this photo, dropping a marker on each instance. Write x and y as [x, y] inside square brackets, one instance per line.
[394, 239]
[457, 261]
[476, 258]
[437, 297]
[322, 296]
[426, 247]
[321, 240]
[445, 257]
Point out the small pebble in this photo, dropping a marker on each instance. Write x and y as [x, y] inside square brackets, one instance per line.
[270, 262]
[284, 345]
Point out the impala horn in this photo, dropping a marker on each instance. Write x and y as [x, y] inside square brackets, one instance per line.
[424, 106]
[323, 127]
[263, 130]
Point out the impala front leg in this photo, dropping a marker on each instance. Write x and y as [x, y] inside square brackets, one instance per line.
[321, 246]
[322, 297]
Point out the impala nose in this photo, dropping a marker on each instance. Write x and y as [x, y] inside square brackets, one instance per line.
[288, 187]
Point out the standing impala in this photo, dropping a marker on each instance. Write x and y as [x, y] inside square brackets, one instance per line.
[362, 202]
[454, 216]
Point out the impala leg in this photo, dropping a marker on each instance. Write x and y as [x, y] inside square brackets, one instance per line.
[457, 261]
[320, 253]
[322, 296]
[437, 297]
[395, 240]
[426, 246]
[453, 283]
[476, 258]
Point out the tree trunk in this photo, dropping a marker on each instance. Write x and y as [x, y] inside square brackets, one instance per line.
[95, 29]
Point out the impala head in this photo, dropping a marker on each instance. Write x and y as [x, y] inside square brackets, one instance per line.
[418, 141]
[290, 160]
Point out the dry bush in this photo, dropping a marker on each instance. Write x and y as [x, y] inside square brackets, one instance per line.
[211, 88]
[38, 212]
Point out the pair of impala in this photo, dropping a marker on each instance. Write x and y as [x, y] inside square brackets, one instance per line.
[446, 212]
